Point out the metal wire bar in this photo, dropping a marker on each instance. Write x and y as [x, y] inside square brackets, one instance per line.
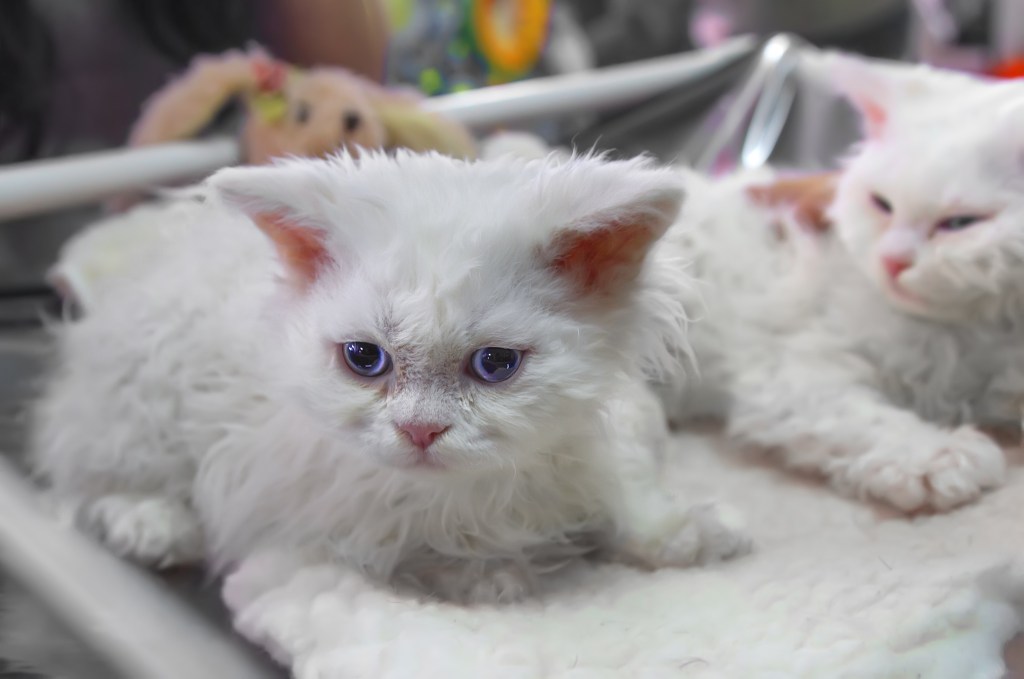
[139, 630]
[40, 186]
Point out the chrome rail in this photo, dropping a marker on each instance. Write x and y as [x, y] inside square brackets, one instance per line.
[137, 629]
[40, 186]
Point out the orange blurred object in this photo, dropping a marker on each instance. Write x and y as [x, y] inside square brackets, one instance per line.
[1008, 68]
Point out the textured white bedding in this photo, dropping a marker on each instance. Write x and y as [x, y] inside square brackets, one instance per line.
[834, 589]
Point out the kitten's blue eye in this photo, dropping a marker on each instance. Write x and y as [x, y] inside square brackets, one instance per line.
[366, 359]
[495, 364]
[959, 222]
[881, 203]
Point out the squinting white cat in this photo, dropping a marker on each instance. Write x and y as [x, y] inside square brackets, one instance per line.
[419, 367]
[872, 357]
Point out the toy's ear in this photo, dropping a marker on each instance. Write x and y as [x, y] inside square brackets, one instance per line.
[186, 105]
[283, 202]
[408, 126]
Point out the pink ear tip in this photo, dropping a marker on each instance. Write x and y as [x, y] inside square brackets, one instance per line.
[874, 119]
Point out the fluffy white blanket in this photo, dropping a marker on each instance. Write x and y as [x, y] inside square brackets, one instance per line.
[834, 589]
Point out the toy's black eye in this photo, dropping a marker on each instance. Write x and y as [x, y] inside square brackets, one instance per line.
[350, 120]
[302, 113]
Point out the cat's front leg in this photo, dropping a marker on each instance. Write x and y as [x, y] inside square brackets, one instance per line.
[651, 528]
[151, 530]
[823, 419]
[110, 449]
[660, 535]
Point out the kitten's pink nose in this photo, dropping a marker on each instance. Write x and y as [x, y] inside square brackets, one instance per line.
[894, 266]
[422, 435]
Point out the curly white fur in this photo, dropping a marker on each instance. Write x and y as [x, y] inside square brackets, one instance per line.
[810, 346]
[203, 389]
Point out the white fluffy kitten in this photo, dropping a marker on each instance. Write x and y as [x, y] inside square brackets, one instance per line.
[416, 366]
[871, 357]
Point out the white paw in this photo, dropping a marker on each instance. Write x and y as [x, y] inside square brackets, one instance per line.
[704, 533]
[503, 585]
[723, 531]
[153, 531]
[258, 574]
[282, 617]
[481, 583]
[945, 471]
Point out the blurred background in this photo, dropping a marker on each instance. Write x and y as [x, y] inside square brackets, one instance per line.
[77, 73]
[75, 76]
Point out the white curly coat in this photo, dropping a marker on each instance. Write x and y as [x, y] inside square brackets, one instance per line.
[201, 398]
[810, 348]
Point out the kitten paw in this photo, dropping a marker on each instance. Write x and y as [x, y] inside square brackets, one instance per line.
[153, 531]
[504, 585]
[723, 532]
[704, 533]
[477, 583]
[953, 471]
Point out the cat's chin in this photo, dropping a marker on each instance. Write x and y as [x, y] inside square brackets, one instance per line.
[432, 464]
[906, 301]
[417, 463]
[426, 463]
[903, 299]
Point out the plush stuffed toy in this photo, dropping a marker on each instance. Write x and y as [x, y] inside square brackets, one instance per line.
[289, 111]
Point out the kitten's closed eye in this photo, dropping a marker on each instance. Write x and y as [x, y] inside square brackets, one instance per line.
[366, 359]
[495, 364]
[959, 222]
[881, 203]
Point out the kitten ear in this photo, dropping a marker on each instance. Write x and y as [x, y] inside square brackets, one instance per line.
[280, 201]
[864, 85]
[605, 250]
[880, 89]
[1011, 117]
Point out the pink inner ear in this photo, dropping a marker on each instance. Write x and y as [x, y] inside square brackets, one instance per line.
[874, 118]
[600, 260]
[301, 249]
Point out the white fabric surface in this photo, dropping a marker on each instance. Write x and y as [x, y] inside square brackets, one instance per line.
[835, 589]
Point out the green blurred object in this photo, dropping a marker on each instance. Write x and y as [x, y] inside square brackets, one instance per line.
[431, 81]
[443, 46]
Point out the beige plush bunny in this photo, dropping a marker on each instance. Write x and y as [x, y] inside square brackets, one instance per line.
[290, 111]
